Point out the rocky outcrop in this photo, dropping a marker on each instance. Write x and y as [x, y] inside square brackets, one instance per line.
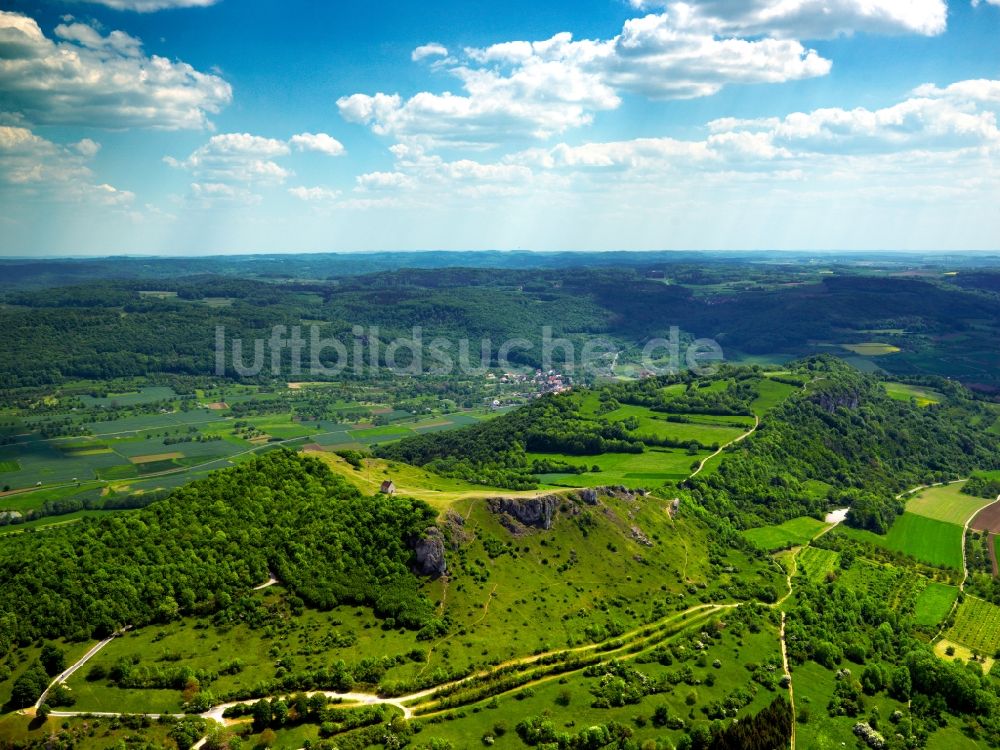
[588, 496]
[429, 550]
[10, 516]
[455, 531]
[529, 511]
[833, 398]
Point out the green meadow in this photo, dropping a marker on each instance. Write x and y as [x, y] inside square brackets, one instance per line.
[905, 392]
[934, 603]
[791, 533]
[945, 503]
[925, 539]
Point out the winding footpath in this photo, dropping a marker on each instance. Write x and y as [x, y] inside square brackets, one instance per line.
[410, 704]
[833, 519]
[744, 436]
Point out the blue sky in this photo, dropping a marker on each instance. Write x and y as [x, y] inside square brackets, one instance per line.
[193, 126]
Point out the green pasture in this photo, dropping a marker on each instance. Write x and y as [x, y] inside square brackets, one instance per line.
[905, 392]
[568, 701]
[816, 563]
[770, 393]
[791, 533]
[945, 503]
[651, 468]
[926, 539]
[934, 603]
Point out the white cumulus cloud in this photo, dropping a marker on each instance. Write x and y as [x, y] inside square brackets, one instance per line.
[320, 142]
[99, 80]
[428, 50]
[524, 90]
[807, 19]
[34, 168]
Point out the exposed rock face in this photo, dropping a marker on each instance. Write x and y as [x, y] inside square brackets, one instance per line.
[589, 496]
[830, 401]
[430, 553]
[530, 511]
[455, 531]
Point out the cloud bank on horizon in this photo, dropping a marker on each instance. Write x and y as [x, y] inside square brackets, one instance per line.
[729, 124]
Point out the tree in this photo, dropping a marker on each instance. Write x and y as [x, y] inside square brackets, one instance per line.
[261, 714]
[53, 659]
[901, 684]
[29, 686]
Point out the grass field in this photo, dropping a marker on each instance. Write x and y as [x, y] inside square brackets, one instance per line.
[926, 539]
[9, 465]
[945, 503]
[770, 394]
[904, 392]
[789, 534]
[977, 626]
[651, 468]
[871, 349]
[934, 603]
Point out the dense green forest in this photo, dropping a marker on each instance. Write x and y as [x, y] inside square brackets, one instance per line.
[202, 549]
[165, 322]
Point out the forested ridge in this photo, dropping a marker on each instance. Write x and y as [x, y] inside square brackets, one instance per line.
[115, 328]
[844, 431]
[204, 547]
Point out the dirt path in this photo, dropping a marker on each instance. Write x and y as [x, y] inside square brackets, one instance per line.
[788, 674]
[833, 520]
[408, 704]
[69, 671]
[744, 436]
[269, 582]
[965, 532]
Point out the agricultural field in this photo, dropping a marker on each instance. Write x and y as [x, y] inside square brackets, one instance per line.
[925, 539]
[934, 603]
[945, 503]
[144, 438]
[977, 626]
[988, 519]
[791, 533]
[904, 392]
[871, 349]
